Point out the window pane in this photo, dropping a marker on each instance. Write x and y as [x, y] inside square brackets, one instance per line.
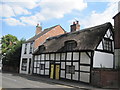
[24, 65]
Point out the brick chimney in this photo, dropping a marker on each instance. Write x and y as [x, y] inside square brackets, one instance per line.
[75, 26]
[38, 29]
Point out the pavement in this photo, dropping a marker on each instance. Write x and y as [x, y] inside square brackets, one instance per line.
[77, 85]
[59, 83]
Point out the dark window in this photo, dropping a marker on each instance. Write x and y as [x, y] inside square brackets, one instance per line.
[25, 49]
[42, 66]
[24, 64]
[70, 45]
[31, 45]
[107, 44]
[70, 69]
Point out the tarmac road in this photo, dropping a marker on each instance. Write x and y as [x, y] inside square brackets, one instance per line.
[13, 81]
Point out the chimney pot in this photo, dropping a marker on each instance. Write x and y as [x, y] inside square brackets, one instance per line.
[73, 23]
[77, 22]
[75, 26]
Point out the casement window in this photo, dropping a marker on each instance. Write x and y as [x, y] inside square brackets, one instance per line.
[24, 64]
[25, 50]
[107, 44]
[70, 45]
[31, 45]
[70, 69]
[42, 66]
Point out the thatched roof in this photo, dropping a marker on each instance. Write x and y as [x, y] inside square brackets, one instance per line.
[40, 34]
[87, 39]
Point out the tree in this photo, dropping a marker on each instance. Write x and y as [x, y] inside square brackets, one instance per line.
[8, 41]
[11, 49]
[12, 57]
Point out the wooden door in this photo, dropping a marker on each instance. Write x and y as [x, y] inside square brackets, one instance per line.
[57, 71]
[52, 71]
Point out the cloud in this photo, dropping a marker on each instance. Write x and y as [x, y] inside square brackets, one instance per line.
[6, 11]
[57, 9]
[13, 8]
[54, 9]
[49, 9]
[20, 11]
[100, 18]
[13, 22]
[9, 10]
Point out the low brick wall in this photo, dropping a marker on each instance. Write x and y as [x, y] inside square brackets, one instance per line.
[108, 78]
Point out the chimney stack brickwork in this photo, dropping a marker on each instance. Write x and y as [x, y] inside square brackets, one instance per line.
[117, 39]
[75, 26]
[38, 29]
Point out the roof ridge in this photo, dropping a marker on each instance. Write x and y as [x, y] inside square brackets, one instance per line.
[79, 31]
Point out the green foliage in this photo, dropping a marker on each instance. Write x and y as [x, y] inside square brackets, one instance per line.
[12, 47]
[8, 41]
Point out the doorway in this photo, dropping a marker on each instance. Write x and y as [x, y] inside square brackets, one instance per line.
[55, 71]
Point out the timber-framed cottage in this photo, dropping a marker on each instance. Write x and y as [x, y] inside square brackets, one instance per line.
[73, 55]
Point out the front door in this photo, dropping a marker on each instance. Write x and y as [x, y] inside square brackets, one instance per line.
[57, 71]
[54, 72]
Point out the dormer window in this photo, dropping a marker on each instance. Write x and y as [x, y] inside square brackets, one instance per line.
[70, 45]
[42, 48]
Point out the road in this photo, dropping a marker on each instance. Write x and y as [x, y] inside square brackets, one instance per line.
[16, 81]
[13, 81]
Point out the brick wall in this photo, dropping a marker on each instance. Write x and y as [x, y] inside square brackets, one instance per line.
[105, 78]
[54, 32]
[117, 30]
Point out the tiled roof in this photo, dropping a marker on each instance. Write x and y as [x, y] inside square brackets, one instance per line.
[40, 34]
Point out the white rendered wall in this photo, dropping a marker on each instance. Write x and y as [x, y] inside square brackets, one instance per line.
[28, 56]
[100, 46]
[84, 59]
[102, 59]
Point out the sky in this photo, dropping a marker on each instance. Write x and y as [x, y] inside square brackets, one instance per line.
[20, 17]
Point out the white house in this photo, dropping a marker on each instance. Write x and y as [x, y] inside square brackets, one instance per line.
[73, 55]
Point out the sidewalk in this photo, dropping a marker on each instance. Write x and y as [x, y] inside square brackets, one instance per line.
[77, 85]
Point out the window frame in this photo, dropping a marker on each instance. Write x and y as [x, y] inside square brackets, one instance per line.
[107, 44]
[70, 69]
[25, 49]
[24, 64]
[42, 66]
[31, 48]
